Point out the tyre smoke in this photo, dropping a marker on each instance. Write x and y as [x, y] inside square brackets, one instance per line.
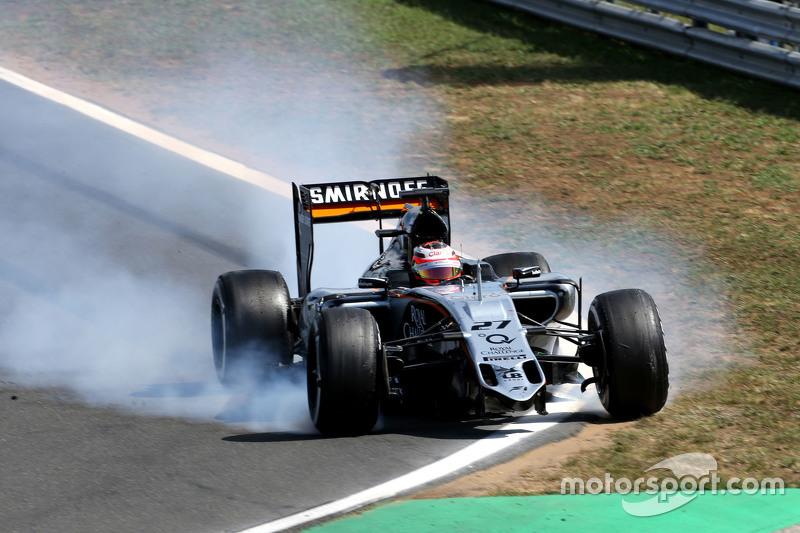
[608, 256]
[110, 247]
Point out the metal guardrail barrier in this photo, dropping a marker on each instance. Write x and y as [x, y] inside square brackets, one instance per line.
[753, 37]
[755, 18]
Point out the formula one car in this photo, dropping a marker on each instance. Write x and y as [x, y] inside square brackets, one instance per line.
[429, 327]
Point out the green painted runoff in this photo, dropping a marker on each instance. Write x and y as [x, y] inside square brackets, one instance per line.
[598, 513]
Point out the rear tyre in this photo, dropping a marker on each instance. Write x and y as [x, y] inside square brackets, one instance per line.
[632, 373]
[250, 325]
[343, 372]
[504, 264]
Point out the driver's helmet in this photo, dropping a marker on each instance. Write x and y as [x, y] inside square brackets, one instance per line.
[435, 262]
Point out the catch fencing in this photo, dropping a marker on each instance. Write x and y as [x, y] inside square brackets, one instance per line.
[759, 38]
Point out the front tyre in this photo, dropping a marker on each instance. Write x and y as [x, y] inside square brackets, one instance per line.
[250, 325]
[632, 376]
[343, 372]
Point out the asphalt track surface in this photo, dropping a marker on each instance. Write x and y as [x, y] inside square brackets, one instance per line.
[110, 418]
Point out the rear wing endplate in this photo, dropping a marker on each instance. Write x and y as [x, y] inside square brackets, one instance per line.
[378, 200]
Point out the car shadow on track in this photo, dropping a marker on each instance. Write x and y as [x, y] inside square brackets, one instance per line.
[424, 428]
[469, 430]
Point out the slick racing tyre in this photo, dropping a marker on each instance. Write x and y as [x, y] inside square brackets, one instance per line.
[504, 264]
[632, 376]
[250, 325]
[343, 372]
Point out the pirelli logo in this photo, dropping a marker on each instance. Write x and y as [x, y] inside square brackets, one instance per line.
[348, 193]
[505, 358]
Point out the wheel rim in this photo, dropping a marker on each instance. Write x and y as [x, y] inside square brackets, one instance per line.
[601, 373]
[219, 337]
[314, 382]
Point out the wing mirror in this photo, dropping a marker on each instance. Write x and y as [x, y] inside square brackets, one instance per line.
[527, 272]
[393, 232]
[373, 283]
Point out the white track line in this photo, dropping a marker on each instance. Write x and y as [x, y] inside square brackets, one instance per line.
[473, 453]
[486, 447]
[198, 155]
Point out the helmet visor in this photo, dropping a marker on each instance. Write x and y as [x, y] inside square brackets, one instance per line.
[439, 272]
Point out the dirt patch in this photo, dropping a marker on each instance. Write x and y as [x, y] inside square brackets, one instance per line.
[538, 471]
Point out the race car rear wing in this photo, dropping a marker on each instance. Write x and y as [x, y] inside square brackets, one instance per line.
[324, 203]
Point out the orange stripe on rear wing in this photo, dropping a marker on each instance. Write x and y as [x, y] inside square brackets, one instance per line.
[362, 211]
